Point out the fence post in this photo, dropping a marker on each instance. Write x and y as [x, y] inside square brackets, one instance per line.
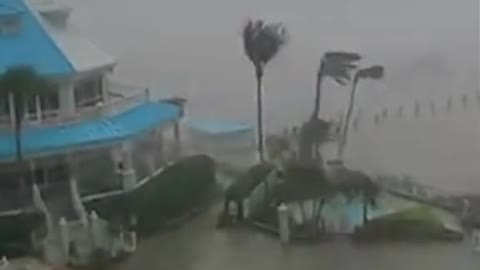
[476, 240]
[283, 222]
[95, 229]
[64, 237]
[4, 263]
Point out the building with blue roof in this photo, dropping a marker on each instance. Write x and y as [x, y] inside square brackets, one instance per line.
[88, 135]
[230, 143]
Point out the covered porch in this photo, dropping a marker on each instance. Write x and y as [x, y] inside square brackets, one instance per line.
[101, 155]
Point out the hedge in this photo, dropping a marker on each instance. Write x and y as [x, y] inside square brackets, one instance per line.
[15, 232]
[178, 189]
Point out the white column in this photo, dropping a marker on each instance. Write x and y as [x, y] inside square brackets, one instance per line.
[38, 108]
[283, 222]
[128, 172]
[40, 204]
[77, 201]
[64, 237]
[67, 98]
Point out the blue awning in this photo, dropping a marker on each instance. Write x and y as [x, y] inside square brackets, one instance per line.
[218, 127]
[62, 138]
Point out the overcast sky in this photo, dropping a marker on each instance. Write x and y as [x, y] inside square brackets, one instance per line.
[193, 48]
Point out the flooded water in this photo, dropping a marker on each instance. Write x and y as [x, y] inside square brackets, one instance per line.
[200, 246]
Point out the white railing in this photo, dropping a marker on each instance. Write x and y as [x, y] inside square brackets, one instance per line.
[105, 109]
[113, 106]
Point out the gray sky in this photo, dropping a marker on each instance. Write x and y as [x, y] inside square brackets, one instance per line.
[192, 47]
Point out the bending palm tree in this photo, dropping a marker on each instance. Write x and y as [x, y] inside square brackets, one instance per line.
[373, 72]
[21, 83]
[337, 65]
[262, 42]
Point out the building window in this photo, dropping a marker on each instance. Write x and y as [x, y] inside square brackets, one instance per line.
[88, 92]
[31, 108]
[10, 24]
[50, 103]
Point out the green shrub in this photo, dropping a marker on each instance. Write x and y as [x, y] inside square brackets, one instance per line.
[15, 233]
[178, 189]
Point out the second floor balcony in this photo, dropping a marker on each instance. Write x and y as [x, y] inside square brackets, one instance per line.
[47, 110]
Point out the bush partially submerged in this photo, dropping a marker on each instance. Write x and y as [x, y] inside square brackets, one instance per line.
[415, 224]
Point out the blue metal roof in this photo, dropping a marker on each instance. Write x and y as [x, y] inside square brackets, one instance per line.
[215, 127]
[62, 138]
[32, 45]
[9, 10]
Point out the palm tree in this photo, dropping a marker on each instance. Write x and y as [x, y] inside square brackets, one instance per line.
[313, 133]
[356, 184]
[337, 65]
[262, 41]
[21, 83]
[303, 184]
[375, 73]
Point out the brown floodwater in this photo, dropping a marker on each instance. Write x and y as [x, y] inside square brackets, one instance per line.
[199, 245]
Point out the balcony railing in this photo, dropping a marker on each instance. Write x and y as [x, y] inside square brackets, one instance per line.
[117, 103]
[114, 106]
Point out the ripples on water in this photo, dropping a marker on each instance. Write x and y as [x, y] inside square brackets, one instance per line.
[199, 246]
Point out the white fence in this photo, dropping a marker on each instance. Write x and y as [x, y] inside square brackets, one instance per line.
[436, 143]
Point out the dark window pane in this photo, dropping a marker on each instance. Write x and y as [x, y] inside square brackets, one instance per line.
[88, 92]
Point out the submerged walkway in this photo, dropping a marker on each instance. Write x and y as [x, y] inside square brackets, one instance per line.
[198, 245]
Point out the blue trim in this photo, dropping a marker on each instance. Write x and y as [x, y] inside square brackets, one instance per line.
[96, 133]
[32, 45]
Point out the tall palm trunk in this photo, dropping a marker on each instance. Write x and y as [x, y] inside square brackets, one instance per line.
[344, 134]
[259, 77]
[318, 92]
